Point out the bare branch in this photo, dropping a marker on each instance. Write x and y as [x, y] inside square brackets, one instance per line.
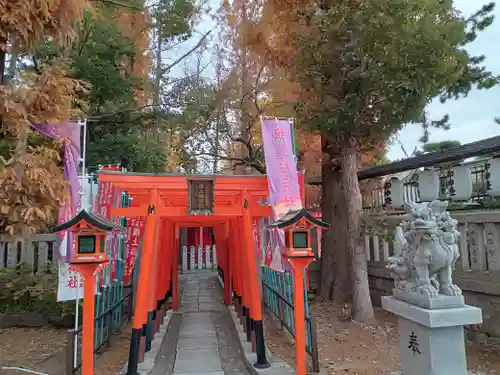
[401, 146]
[200, 42]
[238, 161]
[120, 4]
[128, 110]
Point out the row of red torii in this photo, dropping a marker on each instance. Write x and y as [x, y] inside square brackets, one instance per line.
[229, 204]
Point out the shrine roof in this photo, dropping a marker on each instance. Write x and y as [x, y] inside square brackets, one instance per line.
[293, 217]
[485, 147]
[96, 221]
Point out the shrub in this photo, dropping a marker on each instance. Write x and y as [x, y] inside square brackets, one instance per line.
[23, 291]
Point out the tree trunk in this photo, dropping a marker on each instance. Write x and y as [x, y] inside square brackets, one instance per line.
[158, 69]
[362, 309]
[328, 240]
[334, 276]
[341, 259]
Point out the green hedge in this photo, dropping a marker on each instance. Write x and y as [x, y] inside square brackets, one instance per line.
[23, 291]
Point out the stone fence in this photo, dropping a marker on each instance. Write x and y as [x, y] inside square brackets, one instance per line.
[477, 271]
[36, 251]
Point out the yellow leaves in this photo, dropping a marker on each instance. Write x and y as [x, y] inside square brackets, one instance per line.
[28, 21]
[135, 25]
[30, 203]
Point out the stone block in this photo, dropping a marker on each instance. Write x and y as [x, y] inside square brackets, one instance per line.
[197, 328]
[460, 316]
[193, 365]
[197, 354]
[432, 342]
[197, 343]
[198, 335]
[440, 302]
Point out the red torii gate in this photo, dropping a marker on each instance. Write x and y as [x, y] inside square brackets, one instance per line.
[169, 202]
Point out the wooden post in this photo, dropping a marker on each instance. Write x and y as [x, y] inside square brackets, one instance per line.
[175, 272]
[234, 258]
[200, 261]
[253, 281]
[228, 285]
[299, 264]
[150, 333]
[141, 305]
[168, 253]
[70, 352]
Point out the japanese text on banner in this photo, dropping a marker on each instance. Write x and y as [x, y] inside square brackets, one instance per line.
[283, 181]
[134, 237]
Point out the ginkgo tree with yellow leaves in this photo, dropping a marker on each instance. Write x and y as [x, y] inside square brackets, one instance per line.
[65, 60]
[30, 175]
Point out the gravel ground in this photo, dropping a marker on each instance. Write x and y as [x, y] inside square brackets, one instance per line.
[347, 347]
[44, 349]
[29, 347]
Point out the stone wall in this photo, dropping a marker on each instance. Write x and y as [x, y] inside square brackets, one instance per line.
[480, 289]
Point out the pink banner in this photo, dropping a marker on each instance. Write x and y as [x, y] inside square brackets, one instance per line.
[283, 182]
[69, 134]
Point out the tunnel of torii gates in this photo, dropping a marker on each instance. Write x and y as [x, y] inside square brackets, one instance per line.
[229, 204]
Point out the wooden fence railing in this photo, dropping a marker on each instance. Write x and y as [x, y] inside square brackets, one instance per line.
[479, 241]
[36, 250]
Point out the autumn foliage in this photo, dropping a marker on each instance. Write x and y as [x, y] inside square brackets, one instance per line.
[265, 36]
[30, 169]
[26, 22]
[31, 200]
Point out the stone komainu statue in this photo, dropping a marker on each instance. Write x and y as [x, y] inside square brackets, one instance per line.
[428, 246]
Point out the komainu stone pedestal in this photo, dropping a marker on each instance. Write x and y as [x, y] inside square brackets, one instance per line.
[432, 341]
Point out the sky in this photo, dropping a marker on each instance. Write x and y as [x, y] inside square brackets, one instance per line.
[471, 118]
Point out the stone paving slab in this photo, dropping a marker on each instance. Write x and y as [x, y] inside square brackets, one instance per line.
[208, 307]
[192, 365]
[197, 317]
[197, 343]
[188, 299]
[197, 327]
[205, 373]
[199, 322]
[197, 354]
[190, 335]
[198, 333]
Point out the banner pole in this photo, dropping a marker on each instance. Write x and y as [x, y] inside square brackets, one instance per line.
[294, 145]
[82, 199]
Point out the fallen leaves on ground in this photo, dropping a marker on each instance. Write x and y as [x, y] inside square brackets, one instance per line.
[350, 348]
[33, 347]
[111, 360]
[29, 347]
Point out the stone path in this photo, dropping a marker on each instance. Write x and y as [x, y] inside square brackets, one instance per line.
[197, 347]
[201, 338]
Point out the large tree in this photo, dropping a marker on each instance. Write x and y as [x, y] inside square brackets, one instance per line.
[366, 68]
